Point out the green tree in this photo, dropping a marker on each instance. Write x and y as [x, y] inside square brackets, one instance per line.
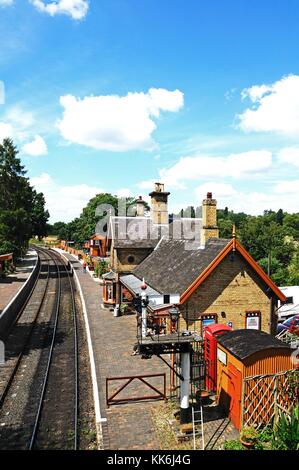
[83, 227]
[21, 207]
[39, 216]
[294, 269]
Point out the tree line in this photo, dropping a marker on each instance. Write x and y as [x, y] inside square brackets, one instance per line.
[22, 208]
[272, 239]
[82, 228]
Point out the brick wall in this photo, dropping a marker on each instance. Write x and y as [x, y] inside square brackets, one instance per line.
[122, 258]
[233, 287]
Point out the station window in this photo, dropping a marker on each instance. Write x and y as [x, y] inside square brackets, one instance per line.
[207, 320]
[131, 259]
[166, 299]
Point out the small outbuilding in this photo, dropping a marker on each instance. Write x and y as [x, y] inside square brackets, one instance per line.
[249, 353]
[6, 258]
[97, 246]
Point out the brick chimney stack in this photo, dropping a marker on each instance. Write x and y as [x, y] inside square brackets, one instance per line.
[209, 219]
[140, 207]
[159, 204]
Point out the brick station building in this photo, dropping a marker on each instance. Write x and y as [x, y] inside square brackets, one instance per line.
[130, 240]
[213, 281]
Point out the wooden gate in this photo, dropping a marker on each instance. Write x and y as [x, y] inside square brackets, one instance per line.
[112, 400]
[265, 396]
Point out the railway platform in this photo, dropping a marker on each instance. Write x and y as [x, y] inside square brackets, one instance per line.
[124, 426]
[10, 285]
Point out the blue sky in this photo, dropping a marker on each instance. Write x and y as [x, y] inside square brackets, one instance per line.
[115, 94]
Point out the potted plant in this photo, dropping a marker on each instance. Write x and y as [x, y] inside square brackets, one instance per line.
[248, 437]
[202, 396]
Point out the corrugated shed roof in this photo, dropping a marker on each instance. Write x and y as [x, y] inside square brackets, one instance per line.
[244, 343]
[133, 284]
[111, 276]
[175, 264]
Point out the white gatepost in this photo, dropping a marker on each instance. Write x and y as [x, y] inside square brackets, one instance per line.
[185, 384]
[2, 353]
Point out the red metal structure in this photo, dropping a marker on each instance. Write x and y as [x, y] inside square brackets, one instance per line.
[212, 332]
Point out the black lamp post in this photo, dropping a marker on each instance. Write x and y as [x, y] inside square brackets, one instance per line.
[174, 314]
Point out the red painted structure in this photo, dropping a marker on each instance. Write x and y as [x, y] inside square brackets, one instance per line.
[98, 246]
[212, 332]
[3, 258]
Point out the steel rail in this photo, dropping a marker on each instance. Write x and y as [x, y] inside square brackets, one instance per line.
[46, 377]
[76, 358]
[42, 396]
[21, 354]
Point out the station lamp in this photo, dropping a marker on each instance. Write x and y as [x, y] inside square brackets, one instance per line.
[174, 314]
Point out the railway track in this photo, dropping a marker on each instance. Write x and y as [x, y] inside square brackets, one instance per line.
[39, 392]
[17, 339]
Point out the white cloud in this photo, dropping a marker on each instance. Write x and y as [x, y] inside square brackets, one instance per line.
[124, 192]
[256, 92]
[219, 190]
[5, 3]
[238, 165]
[256, 202]
[147, 184]
[5, 130]
[64, 202]
[289, 155]
[287, 187]
[275, 107]
[19, 117]
[35, 148]
[18, 122]
[116, 123]
[76, 9]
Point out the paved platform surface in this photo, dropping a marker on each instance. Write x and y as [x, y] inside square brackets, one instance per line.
[13, 283]
[129, 426]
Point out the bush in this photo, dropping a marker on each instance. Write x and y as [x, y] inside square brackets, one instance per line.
[249, 434]
[101, 268]
[233, 445]
[286, 432]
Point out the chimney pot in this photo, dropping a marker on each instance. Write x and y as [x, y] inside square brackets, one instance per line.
[209, 195]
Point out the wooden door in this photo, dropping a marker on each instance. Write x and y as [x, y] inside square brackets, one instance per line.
[234, 391]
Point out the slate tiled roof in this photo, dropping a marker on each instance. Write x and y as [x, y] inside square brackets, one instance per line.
[244, 343]
[172, 267]
[140, 232]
